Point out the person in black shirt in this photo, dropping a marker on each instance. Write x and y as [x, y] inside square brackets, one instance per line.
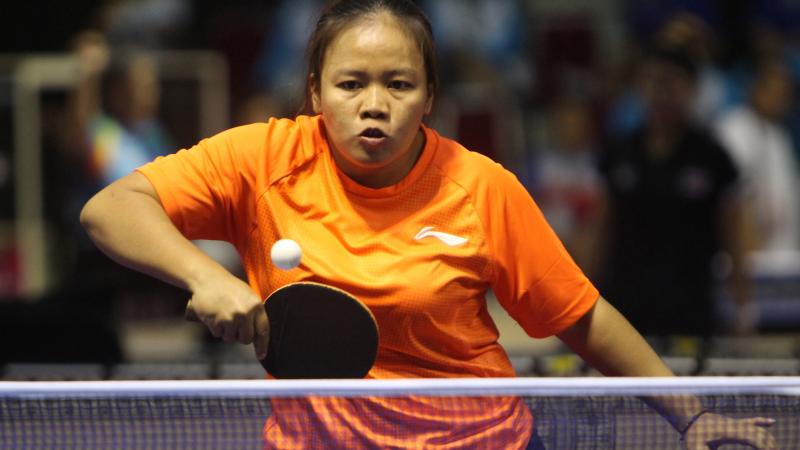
[672, 207]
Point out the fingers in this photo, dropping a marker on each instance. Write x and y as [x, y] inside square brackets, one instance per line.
[748, 431]
[763, 422]
[771, 443]
[757, 435]
[763, 440]
[231, 330]
[714, 430]
[228, 307]
[217, 329]
[227, 330]
[240, 329]
[246, 329]
[261, 325]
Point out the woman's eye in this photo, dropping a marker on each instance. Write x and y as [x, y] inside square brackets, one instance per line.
[349, 85]
[398, 84]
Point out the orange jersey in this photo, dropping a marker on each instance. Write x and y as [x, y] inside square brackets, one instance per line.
[421, 254]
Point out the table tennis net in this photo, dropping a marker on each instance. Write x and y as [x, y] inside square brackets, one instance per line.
[574, 413]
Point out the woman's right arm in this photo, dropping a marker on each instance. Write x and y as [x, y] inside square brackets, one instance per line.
[128, 223]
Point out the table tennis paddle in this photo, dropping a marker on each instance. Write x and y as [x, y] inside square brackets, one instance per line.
[317, 331]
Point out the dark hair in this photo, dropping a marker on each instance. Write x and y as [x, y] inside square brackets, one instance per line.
[341, 13]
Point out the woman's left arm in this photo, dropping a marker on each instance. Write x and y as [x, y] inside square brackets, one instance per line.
[609, 343]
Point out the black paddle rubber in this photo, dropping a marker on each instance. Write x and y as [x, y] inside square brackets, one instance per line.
[317, 331]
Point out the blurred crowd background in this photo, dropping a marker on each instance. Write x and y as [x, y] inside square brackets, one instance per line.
[661, 139]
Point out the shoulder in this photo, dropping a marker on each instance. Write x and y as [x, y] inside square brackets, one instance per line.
[273, 135]
[488, 185]
[736, 115]
[471, 170]
[737, 122]
[278, 146]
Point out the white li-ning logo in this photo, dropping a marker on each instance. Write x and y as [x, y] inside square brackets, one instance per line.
[447, 238]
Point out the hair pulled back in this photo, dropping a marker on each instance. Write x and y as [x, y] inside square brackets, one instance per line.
[340, 14]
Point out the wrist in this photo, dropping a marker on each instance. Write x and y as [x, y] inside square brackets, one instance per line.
[202, 273]
[691, 422]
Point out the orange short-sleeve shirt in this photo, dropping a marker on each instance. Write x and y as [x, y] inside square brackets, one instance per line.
[421, 254]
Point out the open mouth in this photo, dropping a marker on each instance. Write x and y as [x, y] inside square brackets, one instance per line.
[373, 133]
[373, 138]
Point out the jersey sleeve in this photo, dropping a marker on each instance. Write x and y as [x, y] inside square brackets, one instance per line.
[208, 190]
[533, 276]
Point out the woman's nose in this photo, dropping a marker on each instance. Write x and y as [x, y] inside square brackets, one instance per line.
[375, 104]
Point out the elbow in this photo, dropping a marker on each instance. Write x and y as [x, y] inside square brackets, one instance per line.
[86, 215]
[89, 214]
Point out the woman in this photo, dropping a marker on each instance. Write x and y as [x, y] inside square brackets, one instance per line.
[356, 185]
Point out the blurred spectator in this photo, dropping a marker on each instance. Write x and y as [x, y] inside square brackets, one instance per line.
[762, 148]
[117, 127]
[567, 185]
[112, 128]
[691, 34]
[115, 109]
[672, 207]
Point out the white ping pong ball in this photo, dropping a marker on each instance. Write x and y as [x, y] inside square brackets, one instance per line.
[286, 254]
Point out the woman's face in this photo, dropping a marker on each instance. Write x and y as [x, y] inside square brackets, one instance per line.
[372, 94]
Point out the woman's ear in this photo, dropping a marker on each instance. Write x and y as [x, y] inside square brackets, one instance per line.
[313, 91]
[429, 102]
